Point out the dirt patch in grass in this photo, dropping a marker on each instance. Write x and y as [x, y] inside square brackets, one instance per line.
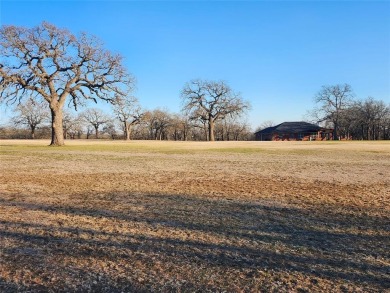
[164, 216]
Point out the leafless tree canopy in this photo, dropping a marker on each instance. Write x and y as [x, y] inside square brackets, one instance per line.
[128, 111]
[367, 119]
[31, 113]
[231, 128]
[158, 122]
[73, 125]
[96, 118]
[49, 62]
[332, 100]
[211, 101]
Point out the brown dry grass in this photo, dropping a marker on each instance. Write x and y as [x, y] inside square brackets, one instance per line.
[165, 216]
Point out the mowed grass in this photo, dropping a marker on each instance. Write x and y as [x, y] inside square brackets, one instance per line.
[149, 216]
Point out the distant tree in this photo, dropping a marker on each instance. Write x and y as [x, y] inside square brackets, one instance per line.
[332, 101]
[243, 131]
[158, 122]
[96, 118]
[373, 117]
[180, 126]
[350, 122]
[232, 128]
[76, 129]
[129, 113]
[211, 101]
[199, 124]
[67, 121]
[31, 113]
[89, 131]
[53, 64]
[110, 129]
[237, 130]
[72, 125]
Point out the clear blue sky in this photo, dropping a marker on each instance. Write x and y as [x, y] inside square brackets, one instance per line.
[277, 54]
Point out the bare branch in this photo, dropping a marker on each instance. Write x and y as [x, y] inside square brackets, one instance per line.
[52, 63]
[211, 101]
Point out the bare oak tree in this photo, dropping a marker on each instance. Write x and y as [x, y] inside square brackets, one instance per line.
[333, 100]
[211, 101]
[31, 113]
[128, 111]
[372, 116]
[232, 128]
[158, 122]
[96, 118]
[180, 126]
[51, 63]
[72, 125]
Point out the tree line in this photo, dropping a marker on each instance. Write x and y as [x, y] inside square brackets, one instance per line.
[51, 67]
[45, 69]
[127, 120]
[337, 108]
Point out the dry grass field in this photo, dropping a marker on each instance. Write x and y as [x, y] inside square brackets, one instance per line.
[102, 216]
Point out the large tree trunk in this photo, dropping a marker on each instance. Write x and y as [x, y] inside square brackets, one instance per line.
[96, 131]
[32, 132]
[335, 131]
[211, 130]
[127, 131]
[57, 133]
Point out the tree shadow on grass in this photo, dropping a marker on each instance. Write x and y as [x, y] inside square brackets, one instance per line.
[244, 235]
[6, 286]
